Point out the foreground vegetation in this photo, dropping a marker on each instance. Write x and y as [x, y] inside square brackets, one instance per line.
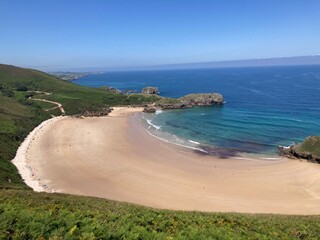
[28, 215]
[25, 214]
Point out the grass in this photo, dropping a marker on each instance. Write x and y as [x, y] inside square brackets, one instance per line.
[25, 214]
[311, 145]
[74, 98]
[28, 215]
[43, 105]
[16, 121]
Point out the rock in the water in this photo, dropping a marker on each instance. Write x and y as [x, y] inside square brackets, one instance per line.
[202, 99]
[191, 100]
[309, 149]
[149, 110]
[150, 90]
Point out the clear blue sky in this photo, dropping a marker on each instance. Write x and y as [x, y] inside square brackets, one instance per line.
[100, 33]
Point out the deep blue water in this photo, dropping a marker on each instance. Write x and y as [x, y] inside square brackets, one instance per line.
[265, 106]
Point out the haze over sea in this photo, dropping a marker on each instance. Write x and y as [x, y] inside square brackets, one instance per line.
[264, 106]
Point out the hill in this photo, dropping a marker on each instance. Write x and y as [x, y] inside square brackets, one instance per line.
[25, 214]
[19, 114]
[74, 98]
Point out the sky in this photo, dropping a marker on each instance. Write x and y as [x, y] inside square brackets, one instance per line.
[108, 34]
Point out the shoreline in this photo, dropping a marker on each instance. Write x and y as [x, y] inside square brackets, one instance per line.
[22, 162]
[114, 157]
[197, 146]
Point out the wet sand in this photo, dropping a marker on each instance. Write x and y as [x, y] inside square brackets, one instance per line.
[113, 157]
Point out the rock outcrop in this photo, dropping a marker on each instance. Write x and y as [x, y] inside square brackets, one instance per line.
[191, 100]
[309, 149]
[150, 90]
[202, 99]
[111, 89]
[149, 110]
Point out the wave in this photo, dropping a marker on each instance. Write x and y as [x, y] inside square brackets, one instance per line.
[153, 125]
[193, 141]
[176, 143]
[159, 111]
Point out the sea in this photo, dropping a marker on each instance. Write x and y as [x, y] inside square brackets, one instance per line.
[264, 107]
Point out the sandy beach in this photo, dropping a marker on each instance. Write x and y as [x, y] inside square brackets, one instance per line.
[113, 157]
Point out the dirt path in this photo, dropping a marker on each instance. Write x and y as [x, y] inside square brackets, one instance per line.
[59, 105]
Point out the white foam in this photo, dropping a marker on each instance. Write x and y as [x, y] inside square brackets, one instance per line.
[159, 111]
[153, 125]
[193, 141]
[175, 143]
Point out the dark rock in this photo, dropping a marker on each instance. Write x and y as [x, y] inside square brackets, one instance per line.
[150, 90]
[149, 110]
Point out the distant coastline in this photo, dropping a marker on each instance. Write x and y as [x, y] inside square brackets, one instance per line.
[71, 76]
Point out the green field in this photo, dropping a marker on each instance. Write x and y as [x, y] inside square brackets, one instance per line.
[25, 214]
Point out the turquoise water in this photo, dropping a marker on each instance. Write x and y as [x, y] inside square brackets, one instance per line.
[265, 106]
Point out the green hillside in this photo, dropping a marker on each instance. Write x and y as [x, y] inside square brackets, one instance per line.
[19, 114]
[25, 214]
[74, 98]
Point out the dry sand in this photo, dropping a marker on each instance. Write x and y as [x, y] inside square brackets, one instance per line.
[22, 162]
[115, 158]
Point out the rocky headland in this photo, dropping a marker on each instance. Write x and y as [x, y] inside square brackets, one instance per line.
[190, 100]
[309, 150]
[150, 90]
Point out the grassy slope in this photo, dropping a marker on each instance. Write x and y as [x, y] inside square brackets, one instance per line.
[28, 215]
[16, 121]
[74, 98]
[311, 145]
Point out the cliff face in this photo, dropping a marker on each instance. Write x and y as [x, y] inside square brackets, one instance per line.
[309, 149]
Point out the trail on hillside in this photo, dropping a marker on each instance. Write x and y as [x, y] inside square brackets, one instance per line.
[59, 105]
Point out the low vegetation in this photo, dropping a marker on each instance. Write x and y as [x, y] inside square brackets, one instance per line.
[310, 146]
[25, 214]
[28, 215]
